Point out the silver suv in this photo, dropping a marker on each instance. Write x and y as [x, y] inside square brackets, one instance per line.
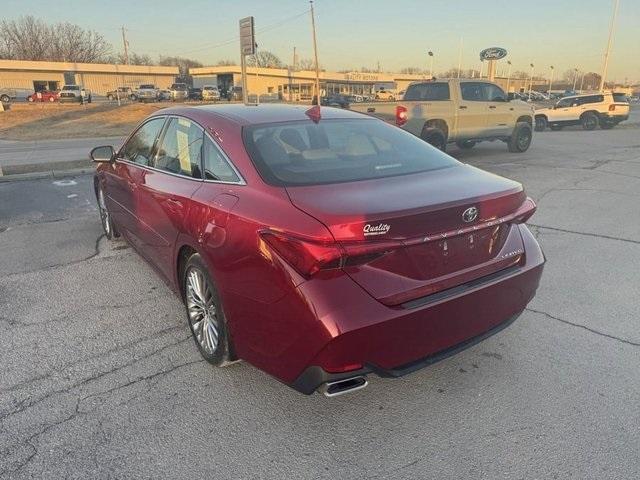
[75, 93]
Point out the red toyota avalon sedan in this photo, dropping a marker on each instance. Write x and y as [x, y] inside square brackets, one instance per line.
[319, 248]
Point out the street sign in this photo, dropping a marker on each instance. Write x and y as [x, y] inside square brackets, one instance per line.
[247, 36]
[493, 53]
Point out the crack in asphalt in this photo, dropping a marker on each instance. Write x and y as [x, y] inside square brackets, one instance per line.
[584, 327]
[77, 412]
[25, 405]
[597, 235]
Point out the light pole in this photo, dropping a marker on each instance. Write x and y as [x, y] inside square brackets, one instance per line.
[508, 75]
[575, 78]
[481, 67]
[530, 80]
[608, 50]
[550, 81]
[460, 59]
[430, 53]
[581, 81]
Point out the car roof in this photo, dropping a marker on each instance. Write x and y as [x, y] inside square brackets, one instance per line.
[263, 113]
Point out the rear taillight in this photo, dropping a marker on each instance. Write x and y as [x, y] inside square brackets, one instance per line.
[308, 256]
[612, 107]
[401, 115]
[525, 211]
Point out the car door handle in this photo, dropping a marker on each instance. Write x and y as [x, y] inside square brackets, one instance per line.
[492, 106]
[463, 107]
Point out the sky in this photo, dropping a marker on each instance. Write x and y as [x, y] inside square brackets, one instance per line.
[352, 34]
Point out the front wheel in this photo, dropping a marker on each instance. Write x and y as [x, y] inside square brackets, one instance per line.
[541, 124]
[204, 312]
[4, 98]
[520, 138]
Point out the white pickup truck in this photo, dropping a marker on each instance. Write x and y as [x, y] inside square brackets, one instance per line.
[458, 111]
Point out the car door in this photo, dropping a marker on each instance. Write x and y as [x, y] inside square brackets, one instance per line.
[500, 112]
[125, 175]
[166, 190]
[567, 110]
[473, 110]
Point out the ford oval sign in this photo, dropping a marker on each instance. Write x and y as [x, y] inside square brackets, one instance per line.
[493, 53]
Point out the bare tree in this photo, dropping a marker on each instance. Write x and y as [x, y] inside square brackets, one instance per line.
[306, 64]
[226, 63]
[412, 70]
[29, 38]
[264, 58]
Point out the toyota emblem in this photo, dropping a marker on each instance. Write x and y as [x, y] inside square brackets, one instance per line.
[470, 214]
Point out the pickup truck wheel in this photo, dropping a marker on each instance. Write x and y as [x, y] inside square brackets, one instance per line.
[110, 98]
[589, 121]
[435, 137]
[541, 124]
[520, 138]
[466, 144]
[4, 98]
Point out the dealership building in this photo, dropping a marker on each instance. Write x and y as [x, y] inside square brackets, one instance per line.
[98, 77]
[295, 85]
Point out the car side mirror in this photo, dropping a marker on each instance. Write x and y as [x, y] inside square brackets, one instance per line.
[102, 154]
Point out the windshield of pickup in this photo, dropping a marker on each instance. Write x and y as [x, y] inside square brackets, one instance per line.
[147, 87]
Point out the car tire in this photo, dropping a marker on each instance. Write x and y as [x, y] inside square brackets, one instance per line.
[29, 99]
[205, 313]
[133, 98]
[541, 124]
[110, 98]
[4, 98]
[521, 137]
[89, 100]
[105, 217]
[589, 121]
[435, 137]
[466, 144]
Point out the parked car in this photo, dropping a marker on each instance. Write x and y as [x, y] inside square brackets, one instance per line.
[164, 94]
[341, 101]
[210, 93]
[179, 91]
[195, 93]
[590, 110]
[75, 93]
[43, 96]
[385, 95]
[122, 93]
[147, 93]
[462, 111]
[8, 95]
[234, 93]
[319, 245]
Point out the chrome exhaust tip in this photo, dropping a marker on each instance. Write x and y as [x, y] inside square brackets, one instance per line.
[346, 385]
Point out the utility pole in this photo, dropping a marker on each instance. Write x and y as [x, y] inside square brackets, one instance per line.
[430, 53]
[460, 59]
[550, 81]
[575, 78]
[608, 50]
[530, 80]
[581, 82]
[508, 75]
[126, 46]
[315, 52]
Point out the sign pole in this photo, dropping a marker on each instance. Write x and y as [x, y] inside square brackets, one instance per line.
[315, 52]
[608, 50]
[247, 47]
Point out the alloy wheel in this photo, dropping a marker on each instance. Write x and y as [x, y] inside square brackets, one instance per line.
[104, 213]
[202, 311]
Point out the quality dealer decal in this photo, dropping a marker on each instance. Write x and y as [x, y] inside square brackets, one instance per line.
[380, 229]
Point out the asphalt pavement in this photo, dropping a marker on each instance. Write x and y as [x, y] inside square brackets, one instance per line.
[100, 378]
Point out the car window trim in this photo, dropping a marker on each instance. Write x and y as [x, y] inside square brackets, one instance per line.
[160, 135]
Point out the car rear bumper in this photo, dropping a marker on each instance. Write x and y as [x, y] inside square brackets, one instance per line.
[394, 341]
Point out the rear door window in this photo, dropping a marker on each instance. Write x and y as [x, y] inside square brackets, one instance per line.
[181, 148]
[620, 97]
[139, 148]
[476, 91]
[428, 92]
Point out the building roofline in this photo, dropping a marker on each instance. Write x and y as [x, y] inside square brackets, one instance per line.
[27, 65]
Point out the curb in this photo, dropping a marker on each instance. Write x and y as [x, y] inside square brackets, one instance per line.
[47, 174]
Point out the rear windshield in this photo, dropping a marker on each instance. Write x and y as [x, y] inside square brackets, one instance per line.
[620, 97]
[334, 151]
[428, 92]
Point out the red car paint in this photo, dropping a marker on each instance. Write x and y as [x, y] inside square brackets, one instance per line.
[432, 284]
[43, 96]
